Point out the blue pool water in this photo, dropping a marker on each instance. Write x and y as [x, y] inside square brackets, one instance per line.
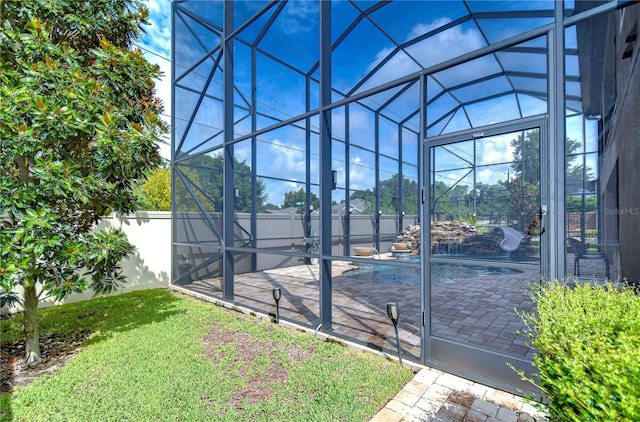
[505, 257]
[441, 273]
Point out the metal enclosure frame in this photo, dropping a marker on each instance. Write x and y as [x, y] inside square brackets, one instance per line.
[223, 60]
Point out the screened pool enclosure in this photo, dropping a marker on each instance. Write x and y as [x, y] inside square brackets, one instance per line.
[441, 155]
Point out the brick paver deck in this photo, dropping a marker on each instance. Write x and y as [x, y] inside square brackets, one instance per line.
[433, 395]
[479, 311]
[359, 312]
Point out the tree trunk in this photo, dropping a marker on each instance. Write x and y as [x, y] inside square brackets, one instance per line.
[33, 354]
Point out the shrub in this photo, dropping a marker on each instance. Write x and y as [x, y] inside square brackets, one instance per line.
[588, 338]
[155, 193]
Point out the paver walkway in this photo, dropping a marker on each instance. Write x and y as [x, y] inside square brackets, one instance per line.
[434, 395]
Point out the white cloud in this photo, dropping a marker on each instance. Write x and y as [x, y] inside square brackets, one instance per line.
[400, 63]
[436, 49]
[361, 174]
[398, 66]
[158, 34]
[163, 84]
[285, 157]
[445, 45]
[242, 153]
[297, 17]
[495, 150]
[490, 176]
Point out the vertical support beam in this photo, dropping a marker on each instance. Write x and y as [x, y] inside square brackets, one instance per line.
[522, 179]
[378, 187]
[174, 219]
[254, 159]
[227, 173]
[307, 186]
[583, 156]
[475, 173]
[424, 205]
[400, 181]
[347, 183]
[325, 165]
[555, 225]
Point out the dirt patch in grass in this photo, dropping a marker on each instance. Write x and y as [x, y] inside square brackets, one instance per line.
[261, 381]
[56, 350]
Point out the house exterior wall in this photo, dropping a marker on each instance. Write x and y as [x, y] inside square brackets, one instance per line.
[621, 157]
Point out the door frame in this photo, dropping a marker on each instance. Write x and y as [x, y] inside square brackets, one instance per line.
[468, 361]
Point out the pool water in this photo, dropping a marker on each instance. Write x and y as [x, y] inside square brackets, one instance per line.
[506, 257]
[441, 273]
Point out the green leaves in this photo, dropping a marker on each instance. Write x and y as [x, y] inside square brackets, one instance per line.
[588, 338]
[156, 191]
[78, 132]
[107, 249]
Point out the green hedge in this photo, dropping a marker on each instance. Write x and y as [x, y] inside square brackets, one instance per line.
[588, 360]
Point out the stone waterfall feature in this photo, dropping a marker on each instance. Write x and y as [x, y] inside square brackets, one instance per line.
[456, 237]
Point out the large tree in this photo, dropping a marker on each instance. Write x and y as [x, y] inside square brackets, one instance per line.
[524, 187]
[155, 192]
[297, 199]
[529, 149]
[526, 156]
[451, 201]
[203, 174]
[78, 126]
[390, 196]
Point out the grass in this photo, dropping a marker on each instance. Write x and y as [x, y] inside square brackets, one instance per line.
[147, 358]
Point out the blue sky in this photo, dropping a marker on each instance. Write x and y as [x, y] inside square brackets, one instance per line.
[296, 42]
[362, 58]
[156, 45]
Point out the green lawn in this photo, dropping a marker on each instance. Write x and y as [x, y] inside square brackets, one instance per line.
[156, 355]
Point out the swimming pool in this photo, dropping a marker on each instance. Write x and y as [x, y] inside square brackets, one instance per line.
[504, 258]
[441, 273]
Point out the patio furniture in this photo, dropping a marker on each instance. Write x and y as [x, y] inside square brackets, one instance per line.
[593, 255]
[364, 251]
[580, 251]
[512, 239]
